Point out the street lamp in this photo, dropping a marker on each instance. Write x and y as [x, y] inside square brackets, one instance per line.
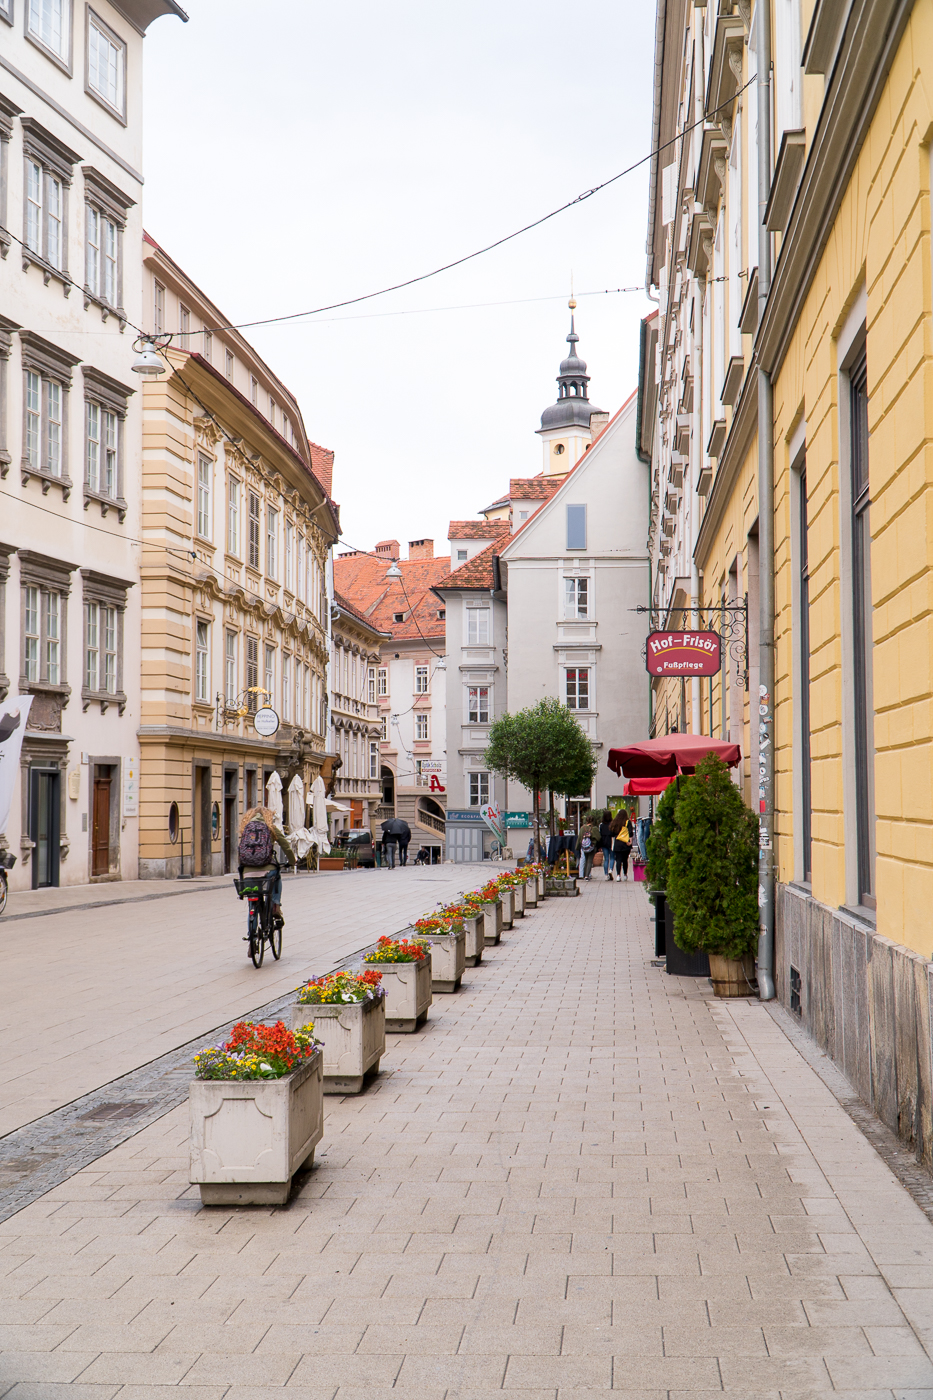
[148, 362]
[393, 570]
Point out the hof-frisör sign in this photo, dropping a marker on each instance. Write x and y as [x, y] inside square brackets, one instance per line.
[683, 653]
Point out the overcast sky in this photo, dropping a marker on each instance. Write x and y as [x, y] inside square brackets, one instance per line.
[299, 153]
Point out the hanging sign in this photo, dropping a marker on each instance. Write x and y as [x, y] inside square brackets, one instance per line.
[265, 721]
[492, 816]
[683, 654]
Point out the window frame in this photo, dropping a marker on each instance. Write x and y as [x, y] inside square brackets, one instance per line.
[373, 758]
[268, 673]
[111, 398]
[204, 497]
[231, 664]
[383, 681]
[229, 364]
[289, 556]
[576, 523]
[422, 679]
[478, 713]
[46, 576]
[482, 789]
[233, 515]
[158, 307]
[252, 671]
[109, 205]
[65, 58]
[6, 11]
[286, 687]
[577, 678]
[56, 163]
[473, 614]
[254, 530]
[861, 611]
[422, 726]
[52, 367]
[574, 585]
[272, 542]
[116, 109]
[202, 661]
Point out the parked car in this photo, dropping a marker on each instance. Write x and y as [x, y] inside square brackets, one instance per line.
[358, 845]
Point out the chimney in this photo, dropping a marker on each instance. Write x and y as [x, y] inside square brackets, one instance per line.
[598, 421]
[388, 549]
[420, 549]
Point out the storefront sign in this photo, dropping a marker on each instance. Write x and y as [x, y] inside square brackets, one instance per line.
[431, 765]
[265, 721]
[131, 787]
[471, 816]
[683, 654]
[517, 819]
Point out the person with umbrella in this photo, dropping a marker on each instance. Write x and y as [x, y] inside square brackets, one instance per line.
[391, 835]
[404, 836]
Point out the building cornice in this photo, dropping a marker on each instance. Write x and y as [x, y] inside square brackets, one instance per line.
[738, 443]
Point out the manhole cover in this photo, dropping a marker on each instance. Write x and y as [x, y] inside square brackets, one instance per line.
[106, 1112]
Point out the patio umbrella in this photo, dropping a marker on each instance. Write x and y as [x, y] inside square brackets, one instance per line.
[646, 787]
[296, 804]
[318, 800]
[669, 755]
[274, 796]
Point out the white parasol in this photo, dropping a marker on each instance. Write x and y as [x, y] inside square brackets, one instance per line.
[296, 804]
[318, 802]
[274, 796]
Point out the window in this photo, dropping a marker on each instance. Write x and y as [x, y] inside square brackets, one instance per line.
[102, 438]
[803, 643]
[6, 10]
[202, 683]
[103, 252]
[269, 681]
[233, 516]
[479, 789]
[45, 213]
[272, 533]
[254, 389]
[253, 531]
[44, 397]
[53, 638]
[32, 633]
[576, 598]
[383, 680]
[385, 728]
[300, 569]
[576, 527]
[862, 632]
[371, 678]
[298, 668]
[422, 680]
[477, 627]
[272, 410]
[286, 686]
[158, 308]
[106, 64]
[45, 585]
[461, 556]
[230, 666]
[289, 556]
[100, 648]
[578, 687]
[184, 325]
[442, 614]
[33, 419]
[398, 617]
[421, 726]
[373, 759]
[228, 365]
[478, 702]
[252, 671]
[208, 346]
[49, 22]
[205, 472]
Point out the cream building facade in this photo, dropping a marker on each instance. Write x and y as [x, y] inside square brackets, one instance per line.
[356, 728]
[70, 428]
[238, 524]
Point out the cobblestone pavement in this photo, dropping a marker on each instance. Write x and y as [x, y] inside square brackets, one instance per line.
[582, 1175]
[93, 994]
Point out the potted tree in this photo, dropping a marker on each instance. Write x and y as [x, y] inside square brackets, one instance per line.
[348, 1011]
[406, 978]
[712, 877]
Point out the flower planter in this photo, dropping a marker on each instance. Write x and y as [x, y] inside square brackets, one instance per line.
[408, 994]
[563, 888]
[733, 977]
[542, 886]
[531, 893]
[249, 1137]
[518, 901]
[331, 863]
[353, 1034]
[448, 959]
[492, 914]
[508, 906]
[473, 940]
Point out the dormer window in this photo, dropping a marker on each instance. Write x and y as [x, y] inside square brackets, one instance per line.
[398, 617]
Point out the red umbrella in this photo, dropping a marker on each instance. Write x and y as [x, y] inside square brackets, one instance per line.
[669, 755]
[645, 787]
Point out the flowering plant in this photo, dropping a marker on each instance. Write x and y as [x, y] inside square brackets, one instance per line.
[342, 987]
[401, 950]
[443, 923]
[489, 892]
[256, 1052]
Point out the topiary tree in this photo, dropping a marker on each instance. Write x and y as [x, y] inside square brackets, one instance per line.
[662, 829]
[712, 865]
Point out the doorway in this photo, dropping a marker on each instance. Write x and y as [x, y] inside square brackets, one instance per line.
[231, 783]
[202, 819]
[45, 825]
[100, 821]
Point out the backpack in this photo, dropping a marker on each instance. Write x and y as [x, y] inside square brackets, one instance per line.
[255, 846]
[586, 844]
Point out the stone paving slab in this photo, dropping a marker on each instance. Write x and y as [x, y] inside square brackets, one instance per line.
[582, 1176]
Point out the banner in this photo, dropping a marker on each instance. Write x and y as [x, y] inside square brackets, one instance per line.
[683, 654]
[14, 714]
[492, 816]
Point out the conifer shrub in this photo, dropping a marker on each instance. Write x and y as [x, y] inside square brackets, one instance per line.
[662, 829]
[712, 865]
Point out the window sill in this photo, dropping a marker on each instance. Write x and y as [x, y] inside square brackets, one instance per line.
[31, 259]
[106, 310]
[27, 687]
[5, 463]
[39, 474]
[5, 239]
[105, 698]
[106, 503]
[861, 914]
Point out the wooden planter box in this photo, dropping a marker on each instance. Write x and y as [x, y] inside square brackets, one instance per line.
[508, 906]
[331, 863]
[531, 892]
[353, 1034]
[733, 977]
[249, 1137]
[492, 915]
[448, 959]
[473, 940]
[408, 993]
[518, 901]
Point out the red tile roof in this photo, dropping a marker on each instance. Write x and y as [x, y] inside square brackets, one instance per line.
[534, 488]
[361, 580]
[475, 573]
[348, 607]
[477, 529]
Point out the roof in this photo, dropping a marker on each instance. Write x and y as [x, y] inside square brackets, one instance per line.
[345, 606]
[533, 488]
[361, 581]
[477, 529]
[477, 572]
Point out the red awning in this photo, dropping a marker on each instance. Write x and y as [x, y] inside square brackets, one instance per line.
[646, 787]
[669, 755]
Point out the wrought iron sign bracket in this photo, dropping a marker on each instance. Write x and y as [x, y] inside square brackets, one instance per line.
[729, 620]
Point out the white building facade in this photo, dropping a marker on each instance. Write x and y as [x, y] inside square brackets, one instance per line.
[356, 728]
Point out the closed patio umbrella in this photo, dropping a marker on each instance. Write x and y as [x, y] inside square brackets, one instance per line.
[274, 796]
[296, 804]
[669, 755]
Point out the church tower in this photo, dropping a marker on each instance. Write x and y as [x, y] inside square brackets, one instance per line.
[567, 427]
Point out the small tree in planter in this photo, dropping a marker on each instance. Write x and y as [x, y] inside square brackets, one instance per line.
[712, 874]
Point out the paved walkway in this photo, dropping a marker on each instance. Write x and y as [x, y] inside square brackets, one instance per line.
[582, 1175]
[93, 994]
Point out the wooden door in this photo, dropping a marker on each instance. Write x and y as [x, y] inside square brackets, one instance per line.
[100, 831]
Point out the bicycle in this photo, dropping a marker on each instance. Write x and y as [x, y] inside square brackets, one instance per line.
[262, 926]
[7, 861]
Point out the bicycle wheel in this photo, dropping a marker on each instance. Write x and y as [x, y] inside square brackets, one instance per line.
[275, 939]
[3, 892]
[257, 945]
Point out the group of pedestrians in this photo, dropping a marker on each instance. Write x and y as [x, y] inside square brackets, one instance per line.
[614, 837]
[396, 834]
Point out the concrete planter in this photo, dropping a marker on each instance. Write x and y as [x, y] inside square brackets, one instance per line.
[473, 940]
[531, 893]
[542, 886]
[408, 994]
[248, 1138]
[353, 1034]
[448, 959]
[562, 887]
[518, 901]
[492, 914]
[508, 906]
[733, 977]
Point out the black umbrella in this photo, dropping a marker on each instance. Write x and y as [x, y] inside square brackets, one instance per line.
[395, 826]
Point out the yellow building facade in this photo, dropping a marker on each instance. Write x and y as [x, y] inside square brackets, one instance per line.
[237, 525]
[846, 336]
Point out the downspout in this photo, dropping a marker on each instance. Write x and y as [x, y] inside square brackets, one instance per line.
[645, 458]
[764, 702]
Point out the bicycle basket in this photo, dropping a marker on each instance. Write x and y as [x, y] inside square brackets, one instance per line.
[255, 885]
[7, 860]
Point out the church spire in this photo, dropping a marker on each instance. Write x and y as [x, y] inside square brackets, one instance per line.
[573, 406]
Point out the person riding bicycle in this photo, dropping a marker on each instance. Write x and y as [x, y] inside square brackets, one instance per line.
[258, 835]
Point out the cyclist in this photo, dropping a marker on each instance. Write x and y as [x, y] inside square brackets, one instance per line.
[259, 833]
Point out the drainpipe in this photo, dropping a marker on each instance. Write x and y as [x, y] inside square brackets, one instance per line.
[762, 705]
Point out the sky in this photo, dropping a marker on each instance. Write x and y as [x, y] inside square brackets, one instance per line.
[300, 153]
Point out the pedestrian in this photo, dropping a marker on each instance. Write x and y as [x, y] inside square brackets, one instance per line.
[622, 842]
[404, 836]
[586, 850]
[605, 842]
[389, 846]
